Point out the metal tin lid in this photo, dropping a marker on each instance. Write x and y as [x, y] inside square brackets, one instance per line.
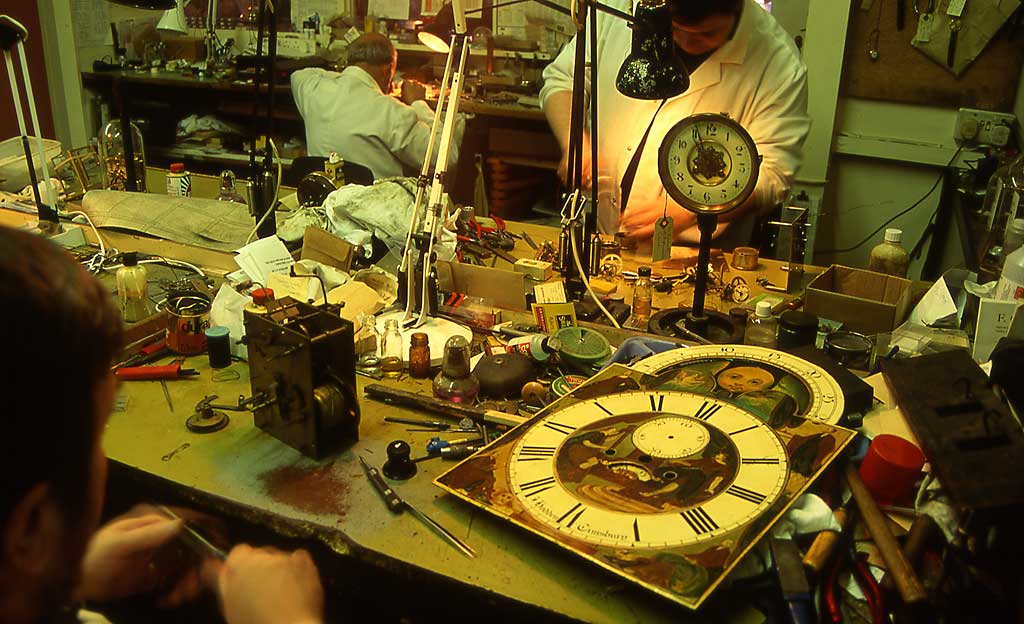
[797, 320]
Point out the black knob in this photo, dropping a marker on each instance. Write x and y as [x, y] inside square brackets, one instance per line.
[399, 465]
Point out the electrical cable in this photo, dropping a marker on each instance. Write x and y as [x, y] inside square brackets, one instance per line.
[870, 236]
[573, 197]
[277, 189]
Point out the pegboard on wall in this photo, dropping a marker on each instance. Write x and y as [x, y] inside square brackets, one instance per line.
[902, 73]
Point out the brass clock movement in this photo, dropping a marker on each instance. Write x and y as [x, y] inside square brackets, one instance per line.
[667, 489]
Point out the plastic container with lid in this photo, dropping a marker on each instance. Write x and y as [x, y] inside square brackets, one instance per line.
[179, 181]
[762, 328]
[260, 298]
[797, 329]
[890, 257]
[1011, 280]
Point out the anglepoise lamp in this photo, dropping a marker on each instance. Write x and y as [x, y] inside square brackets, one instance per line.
[12, 37]
[173, 20]
[652, 71]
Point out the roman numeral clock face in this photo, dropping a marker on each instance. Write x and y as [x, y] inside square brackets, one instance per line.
[647, 470]
[708, 163]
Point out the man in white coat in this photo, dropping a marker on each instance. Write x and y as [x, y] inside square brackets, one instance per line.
[352, 112]
[741, 63]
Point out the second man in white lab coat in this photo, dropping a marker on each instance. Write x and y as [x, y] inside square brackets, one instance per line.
[741, 63]
[352, 112]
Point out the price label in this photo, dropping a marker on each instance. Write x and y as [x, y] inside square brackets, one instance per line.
[924, 28]
[664, 232]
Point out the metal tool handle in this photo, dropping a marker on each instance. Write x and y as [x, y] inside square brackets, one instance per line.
[393, 500]
[146, 373]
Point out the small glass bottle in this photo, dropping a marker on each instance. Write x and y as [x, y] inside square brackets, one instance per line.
[111, 149]
[455, 382]
[419, 356]
[367, 345]
[132, 289]
[762, 328]
[391, 349]
[227, 188]
[890, 257]
[642, 294]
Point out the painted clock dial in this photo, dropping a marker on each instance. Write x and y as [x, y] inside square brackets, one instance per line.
[648, 469]
[773, 385]
[708, 163]
[667, 489]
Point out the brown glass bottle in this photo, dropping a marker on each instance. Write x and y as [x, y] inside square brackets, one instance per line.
[419, 356]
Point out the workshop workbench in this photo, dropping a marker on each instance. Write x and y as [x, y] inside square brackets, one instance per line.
[245, 474]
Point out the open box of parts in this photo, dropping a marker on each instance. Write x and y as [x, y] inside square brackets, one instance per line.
[864, 301]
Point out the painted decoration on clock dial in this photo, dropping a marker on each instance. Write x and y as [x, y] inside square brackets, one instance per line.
[772, 384]
[667, 489]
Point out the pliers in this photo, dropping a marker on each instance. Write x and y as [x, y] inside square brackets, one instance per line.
[861, 573]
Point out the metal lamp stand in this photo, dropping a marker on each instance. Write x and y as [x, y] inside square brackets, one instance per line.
[415, 279]
[12, 36]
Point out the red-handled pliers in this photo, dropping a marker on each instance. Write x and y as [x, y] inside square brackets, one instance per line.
[147, 373]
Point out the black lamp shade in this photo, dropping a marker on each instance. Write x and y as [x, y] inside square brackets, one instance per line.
[162, 5]
[653, 70]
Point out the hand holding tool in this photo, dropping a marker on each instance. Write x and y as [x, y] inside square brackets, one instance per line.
[396, 504]
[192, 538]
[150, 373]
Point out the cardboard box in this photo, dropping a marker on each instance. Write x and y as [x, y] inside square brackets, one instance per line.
[863, 301]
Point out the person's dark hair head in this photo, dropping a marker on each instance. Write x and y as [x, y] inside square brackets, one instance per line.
[371, 49]
[690, 11]
[61, 331]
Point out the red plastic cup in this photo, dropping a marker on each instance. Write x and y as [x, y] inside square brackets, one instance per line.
[891, 468]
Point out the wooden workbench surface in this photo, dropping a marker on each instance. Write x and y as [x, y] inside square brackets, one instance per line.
[242, 472]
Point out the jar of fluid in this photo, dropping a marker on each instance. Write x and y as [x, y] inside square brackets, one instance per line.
[111, 149]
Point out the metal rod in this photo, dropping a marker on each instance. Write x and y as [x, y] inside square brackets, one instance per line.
[440, 530]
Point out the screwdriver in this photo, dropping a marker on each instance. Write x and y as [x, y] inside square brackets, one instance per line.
[396, 505]
[146, 373]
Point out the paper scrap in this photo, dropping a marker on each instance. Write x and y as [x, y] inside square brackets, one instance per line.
[263, 257]
[550, 292]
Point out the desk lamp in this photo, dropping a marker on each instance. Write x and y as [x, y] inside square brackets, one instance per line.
[173, 20]
[652, 71]
[13, 35]
[425, 222]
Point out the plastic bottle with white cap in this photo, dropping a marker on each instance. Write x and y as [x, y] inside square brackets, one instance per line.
[890, 257]
[762, 328]
[1011, 280]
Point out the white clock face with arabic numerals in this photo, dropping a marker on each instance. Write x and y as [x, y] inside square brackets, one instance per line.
[708, 163]
[648, 469]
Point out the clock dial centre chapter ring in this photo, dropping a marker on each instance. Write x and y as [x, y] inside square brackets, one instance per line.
[671, 437]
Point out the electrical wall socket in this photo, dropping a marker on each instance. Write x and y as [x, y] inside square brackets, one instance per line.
[979, 127]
